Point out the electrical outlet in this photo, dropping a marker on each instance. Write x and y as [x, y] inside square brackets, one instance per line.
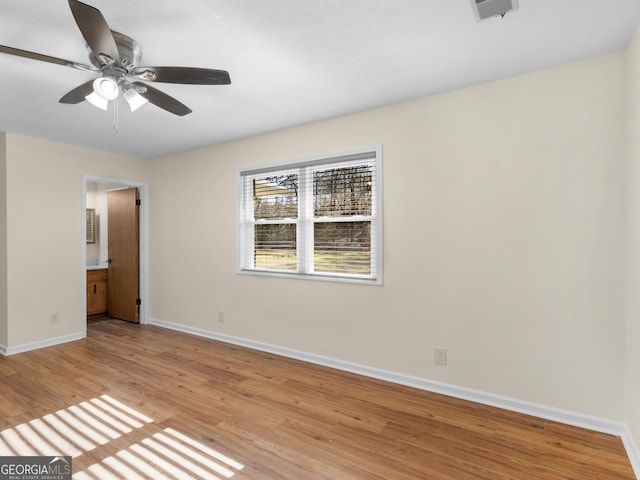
[54, 318]
[220, 317]
[440, 356]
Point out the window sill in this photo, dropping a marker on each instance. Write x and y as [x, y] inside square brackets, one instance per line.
[318, 277]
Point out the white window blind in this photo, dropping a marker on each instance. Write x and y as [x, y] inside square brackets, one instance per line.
[316, 218]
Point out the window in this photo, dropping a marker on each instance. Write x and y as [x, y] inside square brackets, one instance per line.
[317, 218]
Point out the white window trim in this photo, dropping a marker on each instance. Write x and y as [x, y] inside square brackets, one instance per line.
[377, 224]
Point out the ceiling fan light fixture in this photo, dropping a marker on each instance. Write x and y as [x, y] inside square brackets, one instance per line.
[134, 99]
[106, 87]
[97, 101]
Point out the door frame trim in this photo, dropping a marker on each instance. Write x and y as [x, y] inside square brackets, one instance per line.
[143, 219]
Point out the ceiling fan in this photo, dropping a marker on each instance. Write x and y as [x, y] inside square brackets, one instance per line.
[116, 57]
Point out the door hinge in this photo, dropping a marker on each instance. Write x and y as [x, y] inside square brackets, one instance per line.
[138, 301]
[138, 202]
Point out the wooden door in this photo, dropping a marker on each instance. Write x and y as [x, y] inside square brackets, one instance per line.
[122, 220]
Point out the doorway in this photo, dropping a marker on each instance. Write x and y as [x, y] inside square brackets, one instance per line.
[95, 255]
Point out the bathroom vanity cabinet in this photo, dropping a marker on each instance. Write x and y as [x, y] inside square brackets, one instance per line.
[97, 291]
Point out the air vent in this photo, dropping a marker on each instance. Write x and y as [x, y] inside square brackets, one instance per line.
[484, 9]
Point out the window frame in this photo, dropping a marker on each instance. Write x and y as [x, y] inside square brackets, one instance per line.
[245, 233]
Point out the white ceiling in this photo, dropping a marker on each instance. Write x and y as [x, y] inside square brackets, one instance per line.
[291, 61]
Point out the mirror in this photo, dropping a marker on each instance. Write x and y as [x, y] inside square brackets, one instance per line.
[91, 225]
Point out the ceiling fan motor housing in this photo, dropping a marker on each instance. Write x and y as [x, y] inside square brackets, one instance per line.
[484, 9]
[129, 50]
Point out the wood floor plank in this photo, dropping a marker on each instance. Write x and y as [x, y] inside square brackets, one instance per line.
[138, 401]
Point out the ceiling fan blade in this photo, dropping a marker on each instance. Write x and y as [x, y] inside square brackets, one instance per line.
[78, 94]
[94, 29]
[161, 99]
[188, 75]
[44, 58]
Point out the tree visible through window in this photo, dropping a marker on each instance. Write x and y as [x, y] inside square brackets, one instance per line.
[314, 218]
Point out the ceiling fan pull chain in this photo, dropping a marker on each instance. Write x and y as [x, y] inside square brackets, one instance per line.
[116, 125]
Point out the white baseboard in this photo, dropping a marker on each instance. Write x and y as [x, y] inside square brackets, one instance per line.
[41, 344]
[3, 350]
[598, 424]
[632, 449]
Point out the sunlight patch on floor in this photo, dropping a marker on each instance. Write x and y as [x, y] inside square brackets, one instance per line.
[165, 455]
[73, 430]
[81, 428]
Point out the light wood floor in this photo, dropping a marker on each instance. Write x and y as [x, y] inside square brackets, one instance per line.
[135, 401]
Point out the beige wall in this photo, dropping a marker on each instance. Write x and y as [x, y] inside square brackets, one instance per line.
[3, 241]
[44, 241]
[504, 213]
[633, 241]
